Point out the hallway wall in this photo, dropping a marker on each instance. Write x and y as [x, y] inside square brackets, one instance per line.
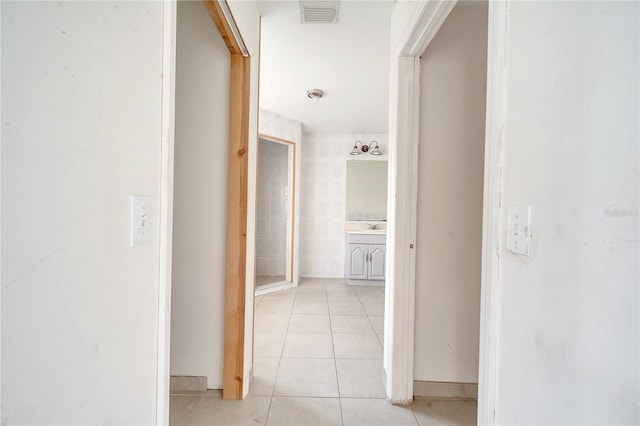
[200, 196]
[449, 226]
[81, 133]
[569, 325]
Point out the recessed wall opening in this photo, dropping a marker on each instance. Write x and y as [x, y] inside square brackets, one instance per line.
[275, 213]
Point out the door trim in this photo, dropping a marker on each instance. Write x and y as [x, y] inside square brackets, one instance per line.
[492, 232]
[165, 237]
[404, 138]
[292, 192]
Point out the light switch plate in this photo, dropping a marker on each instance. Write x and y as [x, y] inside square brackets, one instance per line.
[140, 220]
[519, 230]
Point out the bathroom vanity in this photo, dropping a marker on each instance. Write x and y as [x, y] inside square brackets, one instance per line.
[366, 208]
[365, 257]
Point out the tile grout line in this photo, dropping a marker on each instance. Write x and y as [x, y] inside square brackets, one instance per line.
[273, 389]
[335, 361]
[381, 341]
[194, 409]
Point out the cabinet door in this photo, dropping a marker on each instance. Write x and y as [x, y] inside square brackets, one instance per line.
[357, 261]
[376, 261]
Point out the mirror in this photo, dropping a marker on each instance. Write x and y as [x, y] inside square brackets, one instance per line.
[366, 190]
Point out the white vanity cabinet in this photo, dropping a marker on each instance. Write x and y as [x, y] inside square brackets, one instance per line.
[365, 258]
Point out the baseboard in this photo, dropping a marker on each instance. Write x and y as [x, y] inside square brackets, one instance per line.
[188, 384]
[445, 390]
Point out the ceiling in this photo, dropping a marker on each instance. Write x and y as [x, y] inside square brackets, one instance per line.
[348, 60]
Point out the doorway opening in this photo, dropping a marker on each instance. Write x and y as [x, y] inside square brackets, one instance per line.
[275, 215]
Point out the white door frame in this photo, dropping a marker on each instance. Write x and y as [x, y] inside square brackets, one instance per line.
[404, 134]
[169, 22]
[293, 218]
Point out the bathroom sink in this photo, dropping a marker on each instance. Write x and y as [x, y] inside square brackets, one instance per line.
[369, 231]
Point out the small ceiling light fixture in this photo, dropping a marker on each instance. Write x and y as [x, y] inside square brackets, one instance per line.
[315, 94]
[359, 148]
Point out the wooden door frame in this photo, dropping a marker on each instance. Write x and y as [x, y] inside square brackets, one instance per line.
[235, 281]
[237, 191]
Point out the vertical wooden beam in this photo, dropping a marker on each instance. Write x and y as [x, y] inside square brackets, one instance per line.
[237, 188]
[236, 227]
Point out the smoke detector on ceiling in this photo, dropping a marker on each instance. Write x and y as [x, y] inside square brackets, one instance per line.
[319, 11]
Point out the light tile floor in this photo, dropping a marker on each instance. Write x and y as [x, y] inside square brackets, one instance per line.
[318, 361]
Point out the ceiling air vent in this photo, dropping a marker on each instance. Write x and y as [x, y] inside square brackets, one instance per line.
[319, 12]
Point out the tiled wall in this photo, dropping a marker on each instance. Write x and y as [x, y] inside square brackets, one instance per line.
[323, 184]
[277, 126]
[273, 205]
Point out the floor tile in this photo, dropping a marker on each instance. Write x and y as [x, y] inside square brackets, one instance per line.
[345, 308]
[335, 282]
[310, 306]
[313, 282]
[342, 297]
[274, 307]
[377, 322]
[441, 412]
[306, 377]
[368, 289]
[370, 294]
[258, 300]
[181, 407]
[288, 294]
[212, 410]
[342, 292]
[350, 324]
[271, 322]
[264, 376]
[373, 308]
[287, 411]
[360, 378]
[357, 346]
[376, 412]
[268, 345]
[318, 296]
[308, 345]
[309, 323]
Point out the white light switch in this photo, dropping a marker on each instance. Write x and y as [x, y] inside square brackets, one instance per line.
[519, 230]
[140, 220]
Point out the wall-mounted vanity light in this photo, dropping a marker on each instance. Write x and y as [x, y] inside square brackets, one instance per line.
[359, 148]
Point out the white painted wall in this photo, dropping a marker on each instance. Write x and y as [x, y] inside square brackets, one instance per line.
[323, 182]
[200, 196]
[449, 229]
[274, 205]
[81, 111]
[568, 346]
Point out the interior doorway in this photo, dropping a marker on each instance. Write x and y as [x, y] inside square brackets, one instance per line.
[275, 215]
